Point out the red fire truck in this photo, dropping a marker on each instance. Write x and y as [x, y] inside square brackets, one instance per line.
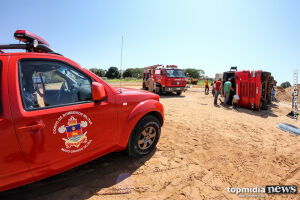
[166, 78]
[254, 88]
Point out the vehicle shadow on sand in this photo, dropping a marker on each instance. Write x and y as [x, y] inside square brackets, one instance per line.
[261, 113]
[168, 95]
[171, 95]
[81, 182]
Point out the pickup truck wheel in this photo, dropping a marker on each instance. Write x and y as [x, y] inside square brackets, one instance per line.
[144, 137]
[179, 93]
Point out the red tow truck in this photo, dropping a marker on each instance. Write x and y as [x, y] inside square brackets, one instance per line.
[166, 78]
[56, 115]
[254, 88]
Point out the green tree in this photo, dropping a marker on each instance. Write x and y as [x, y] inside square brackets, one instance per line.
[201, 73]
[98, 72]
[195, 73]
[112, 72]
[137, 72]
[285, 84]
[133, 72]
[127, 73]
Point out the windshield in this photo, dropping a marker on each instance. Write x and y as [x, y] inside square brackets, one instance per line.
[175, 73]
[73, 76]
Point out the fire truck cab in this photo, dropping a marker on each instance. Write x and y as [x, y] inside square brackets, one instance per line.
[254, 88]
[166, 79]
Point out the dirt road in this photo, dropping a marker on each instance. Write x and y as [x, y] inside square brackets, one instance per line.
[203, 150]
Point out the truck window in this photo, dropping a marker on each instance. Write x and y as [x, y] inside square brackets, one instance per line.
[0, 88]
[175, 73]
[49, 84]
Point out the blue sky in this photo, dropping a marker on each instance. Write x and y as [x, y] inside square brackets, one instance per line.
[209, 35]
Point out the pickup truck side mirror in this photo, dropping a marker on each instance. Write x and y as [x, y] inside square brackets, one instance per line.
[98, 91]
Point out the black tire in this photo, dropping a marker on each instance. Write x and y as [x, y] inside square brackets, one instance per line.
[179, 93]
[134, 148]
[158, 90]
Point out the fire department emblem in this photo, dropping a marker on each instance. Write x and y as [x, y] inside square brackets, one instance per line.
[75, 135]
[73, 125]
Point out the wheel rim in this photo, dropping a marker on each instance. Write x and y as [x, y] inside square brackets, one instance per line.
[147, 138]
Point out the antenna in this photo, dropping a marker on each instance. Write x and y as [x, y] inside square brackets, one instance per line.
[121, 64]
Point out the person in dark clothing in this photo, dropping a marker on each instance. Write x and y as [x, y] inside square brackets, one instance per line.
[213, 84]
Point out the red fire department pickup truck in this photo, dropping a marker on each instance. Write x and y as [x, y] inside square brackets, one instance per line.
[55, 115]
[166, 78]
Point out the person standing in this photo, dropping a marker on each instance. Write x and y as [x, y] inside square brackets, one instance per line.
[150, 84]
[213, 84]
[217, 91]
[206, 87]
[273, 94]
[227, 89]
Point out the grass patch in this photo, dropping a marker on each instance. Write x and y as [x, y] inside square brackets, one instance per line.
[202, 83]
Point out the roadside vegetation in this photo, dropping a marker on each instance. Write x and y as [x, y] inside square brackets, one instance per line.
[135, 80]
[285, 84]
[135, 75]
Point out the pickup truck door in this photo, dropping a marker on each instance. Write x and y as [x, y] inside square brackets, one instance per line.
[14, 170]
[56, 121]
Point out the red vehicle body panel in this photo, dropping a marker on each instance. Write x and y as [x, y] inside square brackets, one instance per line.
[14, 169]
[35, 149]
[242, 82]
[248, 87]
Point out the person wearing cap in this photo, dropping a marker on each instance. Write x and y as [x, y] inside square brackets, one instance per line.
[227, 89]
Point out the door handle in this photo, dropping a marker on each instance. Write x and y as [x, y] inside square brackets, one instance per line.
[31, 127]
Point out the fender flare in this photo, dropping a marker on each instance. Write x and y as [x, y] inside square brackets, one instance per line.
[149, 106]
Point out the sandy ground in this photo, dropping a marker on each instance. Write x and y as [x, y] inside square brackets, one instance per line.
[202, 150]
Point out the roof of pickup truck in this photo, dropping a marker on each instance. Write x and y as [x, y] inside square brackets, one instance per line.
[46, 55]
[26, 53]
